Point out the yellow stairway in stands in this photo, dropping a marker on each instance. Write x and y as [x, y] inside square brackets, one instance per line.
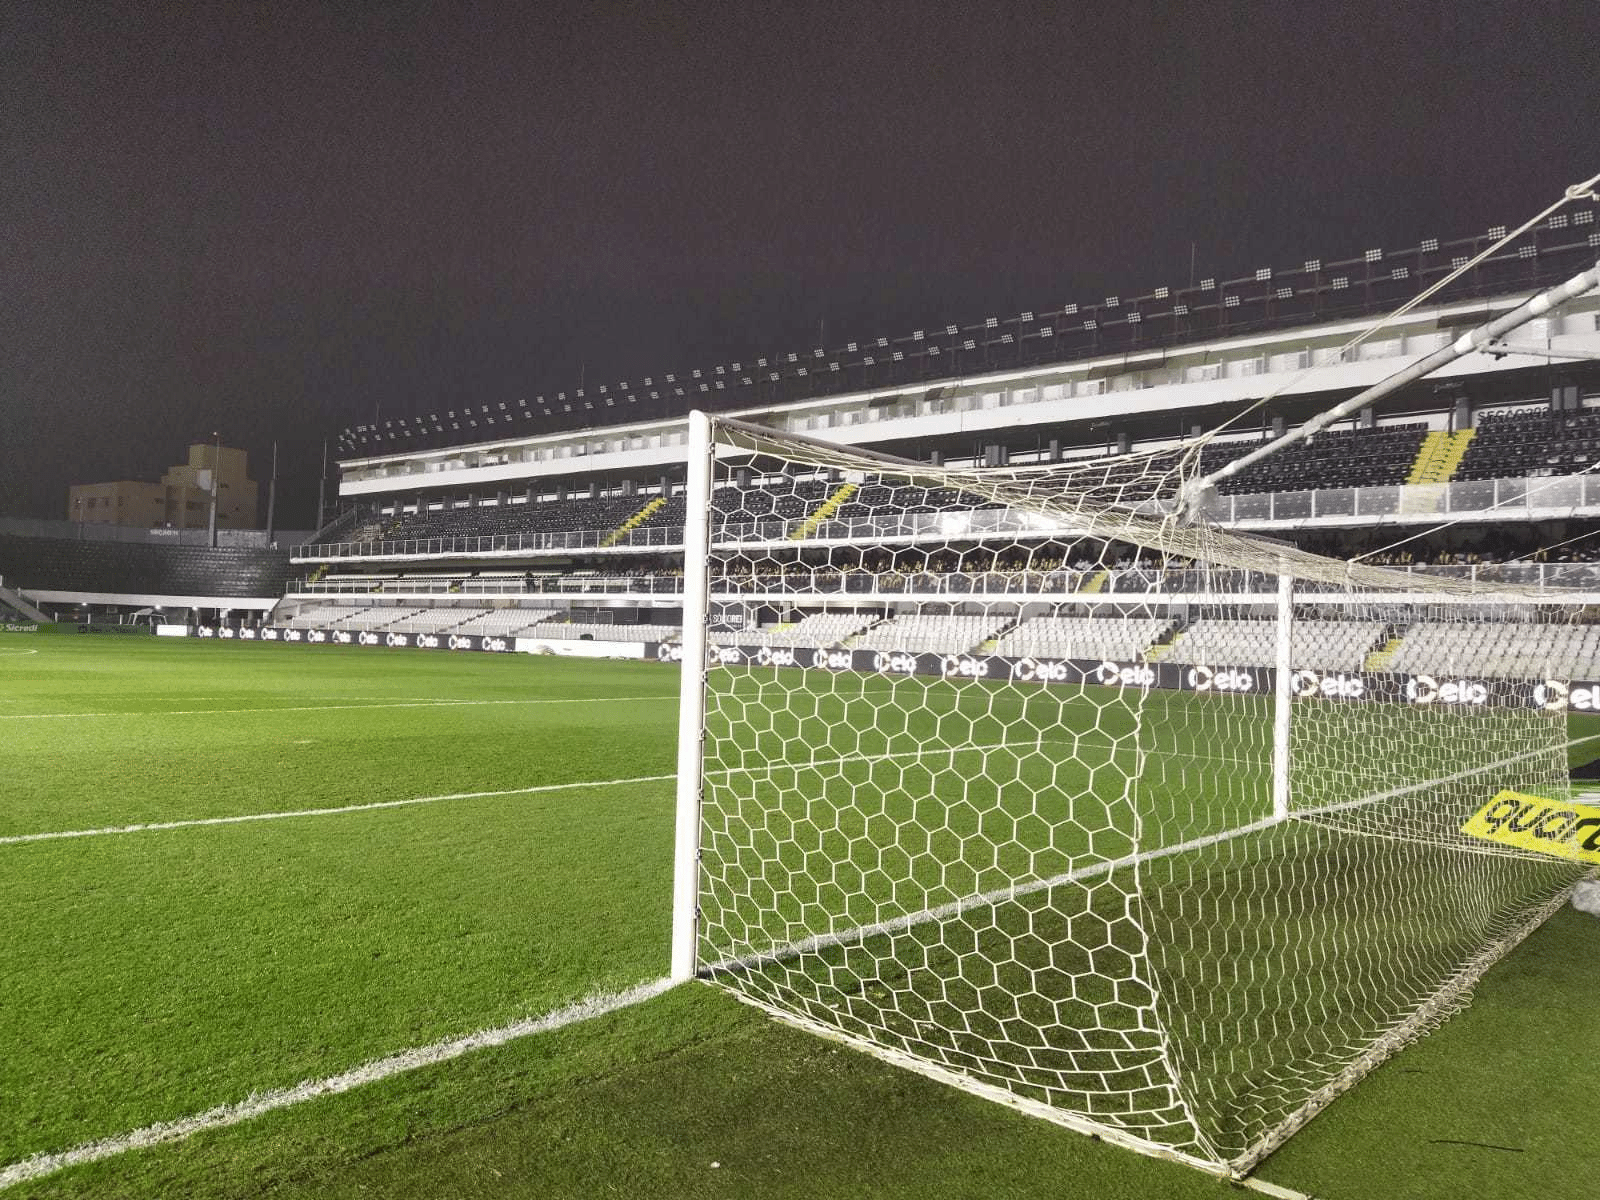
[639, 518]
[1098, 583]
[822, 512]
[1380, 658]
[1439, 457]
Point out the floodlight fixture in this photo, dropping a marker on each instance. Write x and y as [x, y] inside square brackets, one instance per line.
[1026, 316]
[1162, 293]
[991, 322]
[1429, 245]
[1091, 325]
[898, 356]
[1497, 231]
[1230, 302]
[1340, 282]
[1207, 285]
[1459, 261]
[1527, 252]
[1070, 310]
[1586, 217]
[1312, 266]
[916, 336]
[1284, 293]
[1113, 301]
[1134, 318]
[951, 331]
[883, 343]
[1373, 256]
[1263, 274]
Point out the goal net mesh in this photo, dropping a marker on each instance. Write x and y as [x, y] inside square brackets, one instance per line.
[989, 787]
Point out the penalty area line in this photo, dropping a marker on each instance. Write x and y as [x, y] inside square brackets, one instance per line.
[257, 1103]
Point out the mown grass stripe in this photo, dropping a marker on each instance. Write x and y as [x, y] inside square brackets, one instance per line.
[162, 1132]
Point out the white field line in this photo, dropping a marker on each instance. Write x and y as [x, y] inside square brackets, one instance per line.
[221, 712]
[767, 769]
[17, 653]
[162, 1132]
[956, 908]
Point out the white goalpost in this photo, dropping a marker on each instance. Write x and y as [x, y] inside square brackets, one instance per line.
[1023, 779]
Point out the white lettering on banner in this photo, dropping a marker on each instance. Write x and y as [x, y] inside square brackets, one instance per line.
[395, 639]
[768, 657]
[205, 631]
[964, 666]
[291, 635]
[1557, 695]
[895, 663]
[248, 635]
[427, 641]
[494, 643]
[1425, 689]
[1112, 675]
[365, 637]
[269, 635]
[1333, 687]
[1039, 670]
[726, 656]
[832, 660]
[460, 642]
[316, 635]
[669, 652]
[1204, 679]
[226, 631]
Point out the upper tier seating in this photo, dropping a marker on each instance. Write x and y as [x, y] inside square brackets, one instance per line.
[1324, 645]
[1112, 638]
[1334, 458]
[1532, 442]
[141, 568]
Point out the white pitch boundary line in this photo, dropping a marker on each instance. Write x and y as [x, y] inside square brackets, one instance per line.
[221, 712]
[17, 653]
[767, 769]
[163, 1132]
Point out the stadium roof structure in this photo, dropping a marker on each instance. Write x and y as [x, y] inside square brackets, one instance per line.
[1313, 291]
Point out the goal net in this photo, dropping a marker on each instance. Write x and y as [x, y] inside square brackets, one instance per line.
[1015, 776]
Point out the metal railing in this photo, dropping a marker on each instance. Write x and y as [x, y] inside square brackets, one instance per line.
[1509, 499]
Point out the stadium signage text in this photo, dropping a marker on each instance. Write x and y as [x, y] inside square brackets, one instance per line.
[1566, 830]
[1425, 689]
[20, 628]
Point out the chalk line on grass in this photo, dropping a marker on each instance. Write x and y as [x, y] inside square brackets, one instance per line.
[765, 772]
[222, 712]
[258, 1103]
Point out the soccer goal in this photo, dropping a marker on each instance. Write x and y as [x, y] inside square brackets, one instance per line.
[1020, 778]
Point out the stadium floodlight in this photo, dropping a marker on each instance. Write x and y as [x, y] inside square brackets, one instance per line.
[883, 343]
[951, 330]
[1312, 266]
[916, 335]
[1373, 256]
[1429, 245]
[1263, 274]
[1497, 231]
[1207, 285]
[1069, 310]
[991, 322]
[1167, 866]
[1162, 293]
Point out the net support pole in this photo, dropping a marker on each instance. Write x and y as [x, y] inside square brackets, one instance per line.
[1283, 696]
[691, 699]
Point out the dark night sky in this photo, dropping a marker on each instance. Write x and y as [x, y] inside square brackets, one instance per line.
[269, 219]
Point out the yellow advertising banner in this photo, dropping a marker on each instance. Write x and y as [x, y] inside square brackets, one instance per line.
[1557, 827]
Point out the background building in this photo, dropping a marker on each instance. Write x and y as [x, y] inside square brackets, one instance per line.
[182, 500]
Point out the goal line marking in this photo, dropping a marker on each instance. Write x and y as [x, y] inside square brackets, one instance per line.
[160, 1133]
[223, 712]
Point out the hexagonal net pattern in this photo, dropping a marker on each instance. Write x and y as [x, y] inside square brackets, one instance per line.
[998, 780]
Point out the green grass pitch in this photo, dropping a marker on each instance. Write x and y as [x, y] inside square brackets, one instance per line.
[151, 975]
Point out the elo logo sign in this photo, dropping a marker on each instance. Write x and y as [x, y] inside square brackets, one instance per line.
[1556, 695]
[269, 635]
[291, 635]
[964, 666]
[494, 643]
[894, 663]
[395, 639]
[1333, 687]
[1112, 675]
[427, 641]
[248, 635]
[206, 631]
[1036, 670]
[835, 660]
[1204, 679]
[316, 635]
[1425, 689]
[226, 631]
[768, 657]
[666, 652]
[365, 637]
[727, 656]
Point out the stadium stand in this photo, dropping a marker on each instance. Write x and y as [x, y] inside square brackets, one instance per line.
[1325, 645]
[1501, 650]
[1083, 637]
[927, 632]
[816, 631]
[135, 568]
[1532, 442]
